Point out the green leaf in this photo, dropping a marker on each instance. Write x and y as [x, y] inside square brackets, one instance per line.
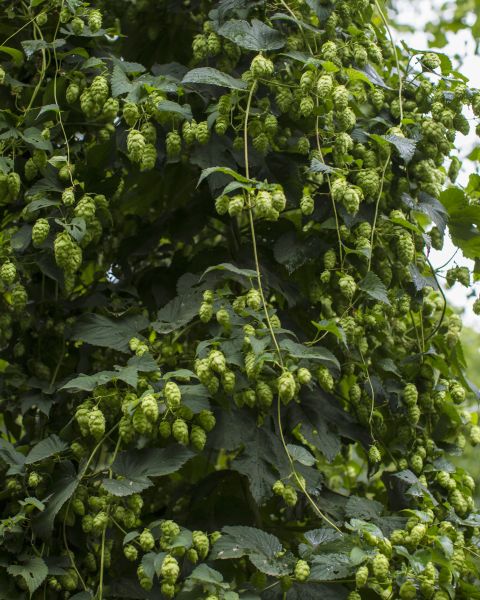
[177, 313]
[331, 326]
[363, 508]
[371, 74]
[372, 285]
[34, 572]
[262, 459]
[262, 549]
[226, 171]
[15, 54]
[248, 273]
[98, 330]
[63, 488]
[39, 204]
[151, 462]
[317, 166]
[315, 429]
[328, 567]
[211, 76]
[205, 574]
[405, 147]
[301, 455]
[12, 457]
[315, 353]
[32, 46]
[257, 36]
[152, 563]
[87, 383]
[46, 448]
[300, 24]
[293, 251]
[434, 209]
[357, 75]
[48, 108]
[120, 83]
[126, 487]
[33, 136]
[182, 110]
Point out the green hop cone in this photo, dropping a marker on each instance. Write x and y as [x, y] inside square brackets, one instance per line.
[206, 419]
[96, 423]
[410, 394]
[173, 395]
[170, 569]
[94, 20]
[85, 208]
[236, 205]
[180, 431]
[110, 109]
[189, 132]
[264, 394]
[135, 145]
[146, 540]
[198, 438]
[380, 566]
[221, 204]
[173, 144]
[72, 93]
[374, 455]
[431, 60]
[130, 552]
[361, 576]
[457, 392]
[8, 272]
[40, 231]
[216, 361]
[33, 479]
[223, 318]
[130, 113]
[202, 133]
[328, 51]
[324, 87]
[351, 200]
[302, 570]
[140, 422]
[307, 205]
[150, 407]
[261, 66]
[77, 25]
[201, 543]
[340, 98]
[347, 286]
[165, 429]
[13, 184]
[304, 376]
[286, 387]
[100, 521]
[205, 312]
[306, 106]
[408, 591]
[254, 299]
[30, 170]
[99, 90]
[325, 378]
[68, 197]
[290, 496]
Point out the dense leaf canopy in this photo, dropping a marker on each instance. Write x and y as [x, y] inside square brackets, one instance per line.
[228, 369]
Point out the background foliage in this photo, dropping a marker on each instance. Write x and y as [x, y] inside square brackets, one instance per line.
[228, 370]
